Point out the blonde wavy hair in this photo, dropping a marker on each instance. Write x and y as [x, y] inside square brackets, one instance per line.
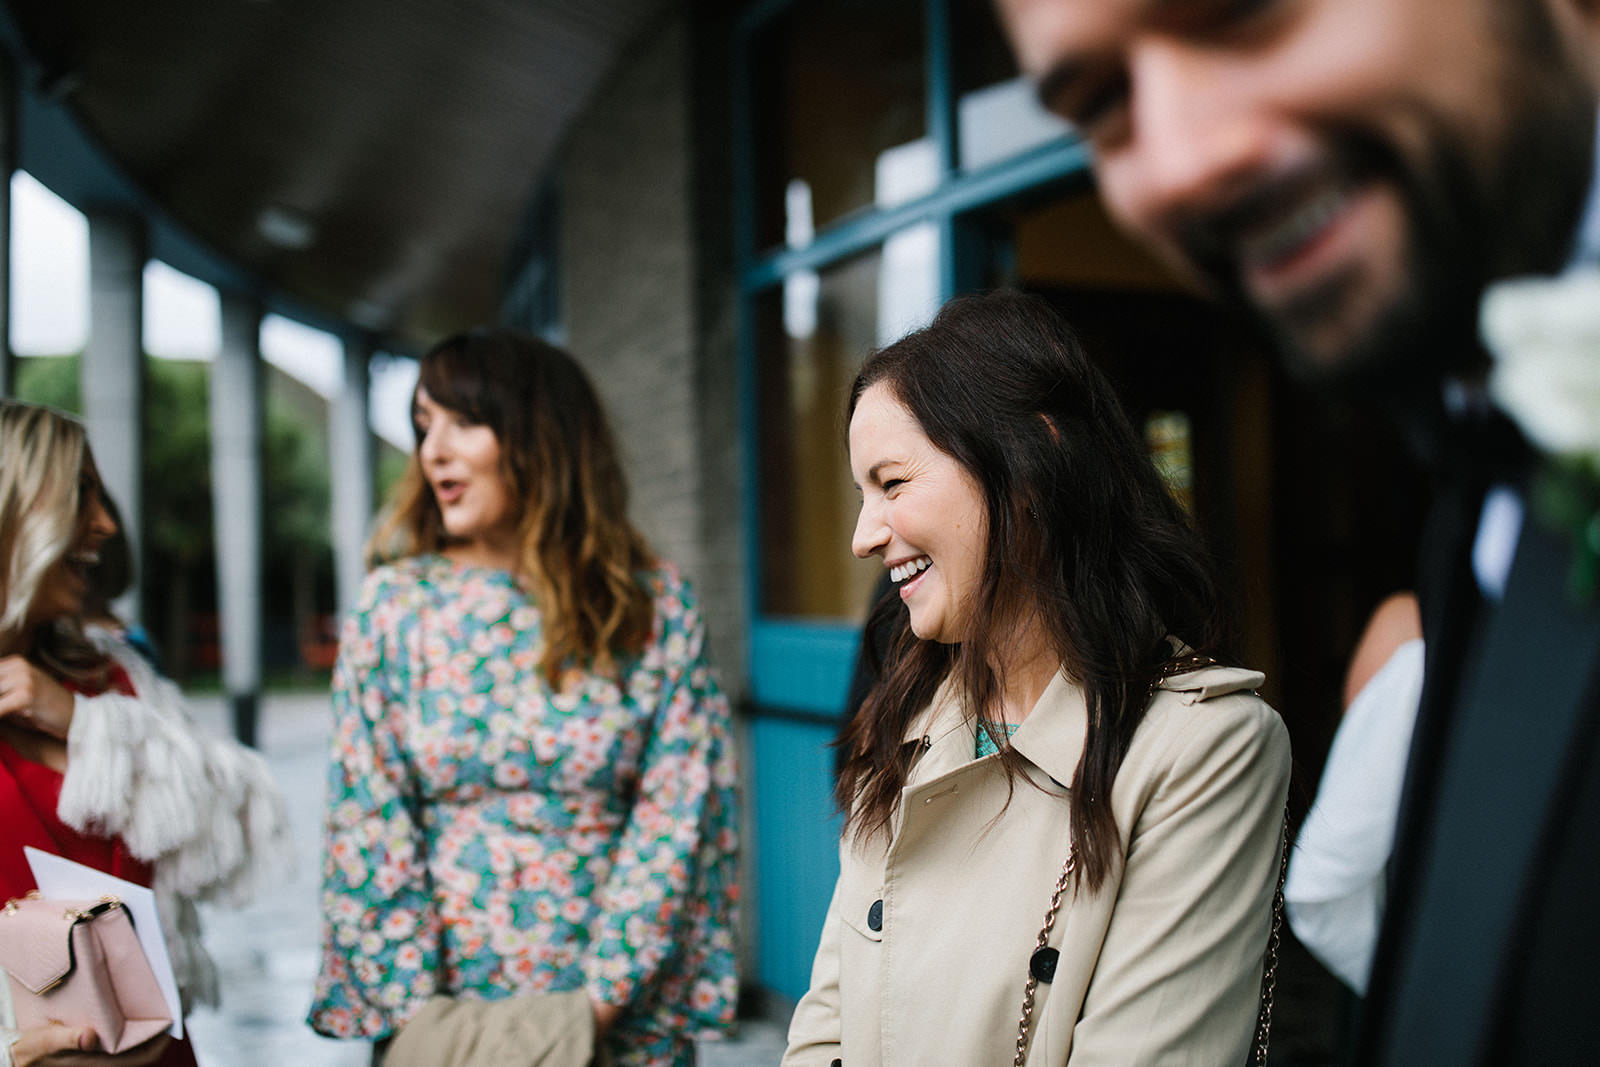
[579, 557]
[42, 455]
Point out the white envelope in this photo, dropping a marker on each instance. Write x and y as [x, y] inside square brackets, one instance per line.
[62, 879]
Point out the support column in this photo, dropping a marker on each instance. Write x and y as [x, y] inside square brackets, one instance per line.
[237, 420]
[352, 473]
[113, 375]
[8, 167]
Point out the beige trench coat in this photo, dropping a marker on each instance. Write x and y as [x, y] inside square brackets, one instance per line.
[924, 952]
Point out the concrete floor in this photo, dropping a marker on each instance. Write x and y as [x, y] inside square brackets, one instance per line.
[267, 953]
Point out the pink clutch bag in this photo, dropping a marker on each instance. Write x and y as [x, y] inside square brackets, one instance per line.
[79, 962]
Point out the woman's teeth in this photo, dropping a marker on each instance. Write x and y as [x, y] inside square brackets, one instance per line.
[905, 570]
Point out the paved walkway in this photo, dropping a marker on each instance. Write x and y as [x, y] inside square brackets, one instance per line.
[267, 953]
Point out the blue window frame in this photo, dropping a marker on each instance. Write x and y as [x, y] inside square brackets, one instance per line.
[803, 664]
[800, 664]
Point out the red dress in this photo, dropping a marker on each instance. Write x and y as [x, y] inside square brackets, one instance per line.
[29, 795]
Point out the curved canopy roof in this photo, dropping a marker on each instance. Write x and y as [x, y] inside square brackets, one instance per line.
[369, 159]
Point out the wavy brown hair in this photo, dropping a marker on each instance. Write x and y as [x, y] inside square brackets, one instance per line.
[44, 479]
[1084, 540]
[580, 557]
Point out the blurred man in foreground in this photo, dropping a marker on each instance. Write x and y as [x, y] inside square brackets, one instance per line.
[1359, 173]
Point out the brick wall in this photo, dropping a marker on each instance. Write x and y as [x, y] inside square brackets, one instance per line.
[648, 311]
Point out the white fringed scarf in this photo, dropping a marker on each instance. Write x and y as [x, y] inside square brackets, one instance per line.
[202, 810]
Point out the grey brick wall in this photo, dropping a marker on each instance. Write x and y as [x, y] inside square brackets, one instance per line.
[635, 285]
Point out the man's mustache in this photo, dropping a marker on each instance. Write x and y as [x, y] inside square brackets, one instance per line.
[1217, 238]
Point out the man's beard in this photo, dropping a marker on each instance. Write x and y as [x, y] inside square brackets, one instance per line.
[1464, 229]
[1420, 331]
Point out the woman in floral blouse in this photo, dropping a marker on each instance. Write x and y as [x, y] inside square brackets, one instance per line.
[532, 784]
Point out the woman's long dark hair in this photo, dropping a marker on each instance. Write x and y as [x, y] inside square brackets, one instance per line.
[1084, 539]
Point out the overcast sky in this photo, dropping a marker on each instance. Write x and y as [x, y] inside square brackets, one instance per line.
[182, 318]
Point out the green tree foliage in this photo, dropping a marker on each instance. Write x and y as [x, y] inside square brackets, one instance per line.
[52, 381]
[296, 486]
[178, 567]
[177, 464]
[178, 457]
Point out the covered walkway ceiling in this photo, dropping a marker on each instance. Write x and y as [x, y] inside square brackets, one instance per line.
[368, 158]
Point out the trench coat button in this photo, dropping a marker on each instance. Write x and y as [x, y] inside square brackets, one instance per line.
[1042, 964]
[875, 916]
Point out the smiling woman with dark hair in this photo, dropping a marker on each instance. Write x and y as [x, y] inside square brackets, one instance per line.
[1063, 812]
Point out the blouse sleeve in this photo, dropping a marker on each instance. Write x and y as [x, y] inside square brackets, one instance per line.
[668, 905]
[380, 930]
[1179, 975]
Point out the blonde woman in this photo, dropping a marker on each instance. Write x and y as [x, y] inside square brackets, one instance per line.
[532, 788]
[99, 760]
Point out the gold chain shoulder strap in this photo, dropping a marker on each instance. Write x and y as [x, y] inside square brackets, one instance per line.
[1189, 661]
[1042, 963]
[1269, 972]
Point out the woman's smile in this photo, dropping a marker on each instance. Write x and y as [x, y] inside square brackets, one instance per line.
[909, 574]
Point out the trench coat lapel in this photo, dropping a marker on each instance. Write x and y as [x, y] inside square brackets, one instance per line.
[944, 732]
[1051, 737]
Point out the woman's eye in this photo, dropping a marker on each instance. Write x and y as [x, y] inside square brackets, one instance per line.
[892, 484]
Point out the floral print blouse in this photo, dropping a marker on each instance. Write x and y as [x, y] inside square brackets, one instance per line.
[488, 835]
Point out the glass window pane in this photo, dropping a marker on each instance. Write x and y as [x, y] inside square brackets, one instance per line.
[997, 114]
[813, 334]
[1169, 438]
[840, 96]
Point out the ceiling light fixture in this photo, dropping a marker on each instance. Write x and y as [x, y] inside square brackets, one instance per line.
[286, 229]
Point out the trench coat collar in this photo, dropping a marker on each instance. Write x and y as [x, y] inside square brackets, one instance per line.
[944, 731]
[1052, 736]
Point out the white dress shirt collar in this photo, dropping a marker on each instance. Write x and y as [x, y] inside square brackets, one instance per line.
[1586, 244]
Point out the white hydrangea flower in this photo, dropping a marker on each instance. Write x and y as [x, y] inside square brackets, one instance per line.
[1544, 334]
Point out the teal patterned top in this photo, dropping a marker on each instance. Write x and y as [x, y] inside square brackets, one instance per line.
[490, 835]
[985, 745]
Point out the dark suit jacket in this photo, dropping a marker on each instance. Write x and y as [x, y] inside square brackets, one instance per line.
[1492, 937]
